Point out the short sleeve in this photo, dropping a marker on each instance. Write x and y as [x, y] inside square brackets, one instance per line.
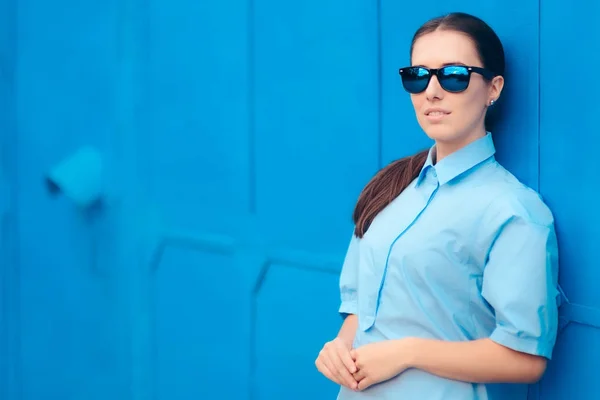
[349, 279]
[520, 278]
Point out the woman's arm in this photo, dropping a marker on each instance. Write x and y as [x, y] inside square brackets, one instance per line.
[348, 330]
[520, 284]
[479, 361]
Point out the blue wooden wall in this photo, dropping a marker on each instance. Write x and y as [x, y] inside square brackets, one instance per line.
[235, 137]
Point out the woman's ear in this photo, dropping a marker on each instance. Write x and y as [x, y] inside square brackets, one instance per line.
[496, 87]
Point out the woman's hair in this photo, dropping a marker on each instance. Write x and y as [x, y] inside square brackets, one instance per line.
[389, 182]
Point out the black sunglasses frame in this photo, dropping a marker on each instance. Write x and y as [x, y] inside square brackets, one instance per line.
[438, 72]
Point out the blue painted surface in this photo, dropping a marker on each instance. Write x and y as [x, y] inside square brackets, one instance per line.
[235, 137]
[566, 176]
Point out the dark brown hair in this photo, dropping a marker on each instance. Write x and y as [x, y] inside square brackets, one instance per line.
[390, 181]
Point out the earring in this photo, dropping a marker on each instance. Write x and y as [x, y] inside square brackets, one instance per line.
[492, 102]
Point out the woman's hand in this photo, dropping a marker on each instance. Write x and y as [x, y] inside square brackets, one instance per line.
[380, 361]
[334, 361]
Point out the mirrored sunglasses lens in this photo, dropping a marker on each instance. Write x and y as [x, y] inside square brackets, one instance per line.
[415, 79]
[454, 78]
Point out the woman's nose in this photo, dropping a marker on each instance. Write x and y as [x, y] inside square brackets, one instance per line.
[434, 90]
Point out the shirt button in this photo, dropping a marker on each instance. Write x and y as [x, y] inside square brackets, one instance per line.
[433, 173]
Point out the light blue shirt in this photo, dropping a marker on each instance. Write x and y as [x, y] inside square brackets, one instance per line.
[465, 252]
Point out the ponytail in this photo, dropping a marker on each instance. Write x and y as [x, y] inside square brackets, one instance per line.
[385, 186]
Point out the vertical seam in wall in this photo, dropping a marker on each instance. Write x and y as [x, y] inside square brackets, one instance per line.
[539, 127]
[251, 181]
[14, 378]
[252, 395]
[379, 89]
[537, 391]
[147, 96]
[6, 172]
[127, 169]
[142, 385]
[251, 111]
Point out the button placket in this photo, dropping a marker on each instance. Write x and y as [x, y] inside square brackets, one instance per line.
[430, 188]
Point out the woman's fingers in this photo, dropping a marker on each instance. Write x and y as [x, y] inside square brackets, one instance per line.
[324, 369]
[359, 375]
[344, 354]
[345, 364]
[335, 363]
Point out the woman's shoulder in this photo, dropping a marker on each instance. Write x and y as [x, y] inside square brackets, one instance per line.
[509, 197]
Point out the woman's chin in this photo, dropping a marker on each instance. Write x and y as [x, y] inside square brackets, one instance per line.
[441, 132]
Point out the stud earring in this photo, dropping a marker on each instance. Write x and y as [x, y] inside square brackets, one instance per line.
[492, 102]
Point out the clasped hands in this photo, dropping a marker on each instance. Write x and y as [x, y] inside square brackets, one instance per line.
[364, 366]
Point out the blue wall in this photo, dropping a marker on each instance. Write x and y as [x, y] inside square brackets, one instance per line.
[234, 138]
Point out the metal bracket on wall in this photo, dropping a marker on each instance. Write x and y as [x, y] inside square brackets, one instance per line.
[78, 177]
[577, 313]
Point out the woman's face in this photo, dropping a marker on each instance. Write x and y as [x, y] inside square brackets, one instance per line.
[459, 118]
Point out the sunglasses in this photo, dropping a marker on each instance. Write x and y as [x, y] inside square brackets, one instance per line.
[452, 78]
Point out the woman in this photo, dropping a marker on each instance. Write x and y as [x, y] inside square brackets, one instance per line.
[449, 286]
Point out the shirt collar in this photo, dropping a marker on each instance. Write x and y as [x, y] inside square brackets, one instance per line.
[459, 161]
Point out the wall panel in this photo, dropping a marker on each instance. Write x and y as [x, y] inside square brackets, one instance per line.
[567, 181]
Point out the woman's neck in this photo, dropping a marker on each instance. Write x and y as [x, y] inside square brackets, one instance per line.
[444, 149]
